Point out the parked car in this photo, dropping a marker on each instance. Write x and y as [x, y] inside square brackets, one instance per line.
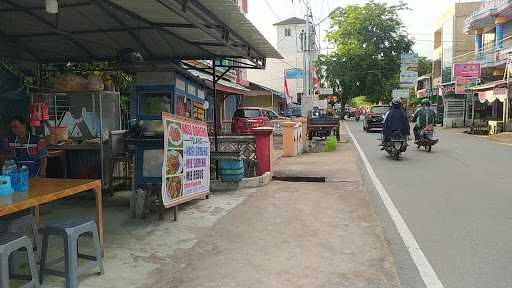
[292, 112]
[375, 117]
[247, 118]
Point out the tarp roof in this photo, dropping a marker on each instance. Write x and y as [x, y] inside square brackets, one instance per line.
[161, 30]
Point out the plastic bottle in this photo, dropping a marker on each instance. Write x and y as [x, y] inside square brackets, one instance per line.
[9, 166]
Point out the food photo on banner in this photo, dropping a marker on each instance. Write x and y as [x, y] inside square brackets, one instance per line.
[186, 169]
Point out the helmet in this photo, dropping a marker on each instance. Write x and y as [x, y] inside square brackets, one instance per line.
[396, 101]
[425, 102]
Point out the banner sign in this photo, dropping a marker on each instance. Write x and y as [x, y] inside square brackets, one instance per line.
[294, 73]
[408, 79]
[186, 169]
[467, 70]
[463, 83]
[409, 62]
[408, 70]
[401, 93]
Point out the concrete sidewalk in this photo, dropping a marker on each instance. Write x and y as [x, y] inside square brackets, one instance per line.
[293, 235]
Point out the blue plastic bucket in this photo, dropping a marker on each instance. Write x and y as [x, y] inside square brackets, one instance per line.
[5, 186]
[19, 179]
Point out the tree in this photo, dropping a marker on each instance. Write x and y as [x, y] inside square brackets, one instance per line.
[369, 40]
[424, 66]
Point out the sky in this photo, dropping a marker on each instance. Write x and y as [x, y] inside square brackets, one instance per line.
[418, 21]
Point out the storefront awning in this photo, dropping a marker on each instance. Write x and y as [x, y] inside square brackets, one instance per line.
[161, 30]
[490, 85]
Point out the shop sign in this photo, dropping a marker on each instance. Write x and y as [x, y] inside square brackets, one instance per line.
[200, 93]
[186, 169]
[463, 83]
[400, 93]
[446, 90]
[421, 93]
[467, 70]
[181, 85]
[294, 73]
[326, 91]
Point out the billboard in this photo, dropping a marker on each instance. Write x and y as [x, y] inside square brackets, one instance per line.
[186, 168]
[467, 70]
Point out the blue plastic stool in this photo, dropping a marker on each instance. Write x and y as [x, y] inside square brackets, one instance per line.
[10, 243]
[70, 231]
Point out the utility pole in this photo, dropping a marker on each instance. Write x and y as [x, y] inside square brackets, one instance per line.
[307, 99]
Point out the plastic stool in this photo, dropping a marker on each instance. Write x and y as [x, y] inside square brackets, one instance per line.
[10, 243]
[17, 223]
[70, 231]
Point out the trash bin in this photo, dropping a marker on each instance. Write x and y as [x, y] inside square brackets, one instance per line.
[292, 139]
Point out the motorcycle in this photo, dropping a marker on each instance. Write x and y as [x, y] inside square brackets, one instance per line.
[396, 146]
[427, 138]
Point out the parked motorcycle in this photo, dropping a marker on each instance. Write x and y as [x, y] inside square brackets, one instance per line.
[396, 146]
[427, 138]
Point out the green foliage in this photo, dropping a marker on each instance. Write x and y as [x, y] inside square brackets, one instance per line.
[369, 39]
[330, 144]
[360, 101]
[424, 66]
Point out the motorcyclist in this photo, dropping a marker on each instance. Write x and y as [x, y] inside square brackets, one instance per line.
[423, 117]
[395, 120]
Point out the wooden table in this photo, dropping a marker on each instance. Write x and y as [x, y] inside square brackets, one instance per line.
[44, 190]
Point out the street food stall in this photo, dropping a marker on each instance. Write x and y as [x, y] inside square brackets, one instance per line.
[177, 92]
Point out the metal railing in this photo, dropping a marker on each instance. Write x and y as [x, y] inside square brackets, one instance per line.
[488, 56]
[487, 9]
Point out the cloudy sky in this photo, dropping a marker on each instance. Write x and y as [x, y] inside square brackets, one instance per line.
[418, 21]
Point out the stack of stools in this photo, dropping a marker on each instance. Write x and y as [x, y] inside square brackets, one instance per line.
[9, 244]
[70, 231]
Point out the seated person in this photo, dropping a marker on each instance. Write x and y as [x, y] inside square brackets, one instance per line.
[27, 149]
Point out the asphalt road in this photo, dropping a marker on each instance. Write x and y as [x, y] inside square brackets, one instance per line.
[457, 202]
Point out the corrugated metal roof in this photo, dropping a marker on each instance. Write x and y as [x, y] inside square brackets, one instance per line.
[161, 30]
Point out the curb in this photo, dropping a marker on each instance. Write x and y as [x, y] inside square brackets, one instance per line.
[253, 182]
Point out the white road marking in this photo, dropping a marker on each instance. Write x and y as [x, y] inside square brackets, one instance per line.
[427, 273]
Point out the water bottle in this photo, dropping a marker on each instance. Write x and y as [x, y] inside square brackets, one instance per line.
[9, 167]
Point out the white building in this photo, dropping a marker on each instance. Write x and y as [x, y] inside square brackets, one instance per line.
[291, 45]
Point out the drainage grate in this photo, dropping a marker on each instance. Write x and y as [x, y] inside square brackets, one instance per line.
[299, 179]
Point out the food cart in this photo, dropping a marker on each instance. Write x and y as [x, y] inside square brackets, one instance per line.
[174, 91]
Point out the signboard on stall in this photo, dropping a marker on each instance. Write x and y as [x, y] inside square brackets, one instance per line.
[186, 169]
[467, 70]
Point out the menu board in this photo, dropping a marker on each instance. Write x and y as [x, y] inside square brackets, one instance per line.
[186, 169]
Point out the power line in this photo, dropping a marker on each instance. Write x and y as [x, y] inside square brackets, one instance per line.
[272, 9]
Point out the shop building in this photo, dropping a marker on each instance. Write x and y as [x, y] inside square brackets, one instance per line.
[451, 46]
[491, 27]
